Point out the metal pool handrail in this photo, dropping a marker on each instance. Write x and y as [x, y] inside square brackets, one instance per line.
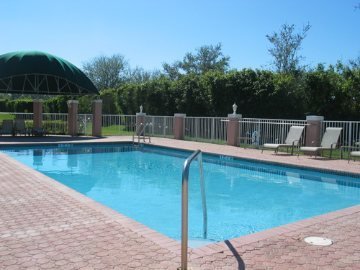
[184, 205]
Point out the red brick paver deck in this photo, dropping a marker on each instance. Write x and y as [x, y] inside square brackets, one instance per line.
[45, 225]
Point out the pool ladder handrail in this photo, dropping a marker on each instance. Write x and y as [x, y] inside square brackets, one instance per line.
[140, 132]
[184, 205]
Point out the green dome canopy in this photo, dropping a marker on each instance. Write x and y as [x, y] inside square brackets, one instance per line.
[36, 72]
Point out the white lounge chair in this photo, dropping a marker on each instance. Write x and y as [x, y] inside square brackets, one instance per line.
[328, 142]
[354, 154]
[7, 127]
[292, 140]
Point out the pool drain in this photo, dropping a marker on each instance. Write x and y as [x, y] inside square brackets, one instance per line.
[318, 241]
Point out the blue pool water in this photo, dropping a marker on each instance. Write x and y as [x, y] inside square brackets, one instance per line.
[145, 184]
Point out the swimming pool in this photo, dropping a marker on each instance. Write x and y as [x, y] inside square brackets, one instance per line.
[145, 184]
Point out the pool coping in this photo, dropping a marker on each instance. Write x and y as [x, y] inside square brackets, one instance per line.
[167, 242]
[294, 166]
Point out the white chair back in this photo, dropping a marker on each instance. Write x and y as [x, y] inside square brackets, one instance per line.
[294, 135]
[331, 136]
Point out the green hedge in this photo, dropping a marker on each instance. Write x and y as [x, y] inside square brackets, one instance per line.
[333, 92]
[52, 127]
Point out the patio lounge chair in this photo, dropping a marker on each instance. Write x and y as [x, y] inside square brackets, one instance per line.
[19, 127]
[328, 142]
[7, 127]
[292, 140]
[354, 154]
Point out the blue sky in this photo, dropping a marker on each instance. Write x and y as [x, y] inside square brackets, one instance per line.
[151, 32]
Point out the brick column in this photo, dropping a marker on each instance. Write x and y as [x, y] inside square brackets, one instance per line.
[313, 130]
[233, 129]
[179, 126]
[72, 117]
[140, 121]
[96, 117]
[37, 110]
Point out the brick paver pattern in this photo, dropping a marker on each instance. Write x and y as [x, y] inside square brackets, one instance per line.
[41, 227]
[45, 225]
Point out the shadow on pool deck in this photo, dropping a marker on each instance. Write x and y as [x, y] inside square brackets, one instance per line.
[241, 264]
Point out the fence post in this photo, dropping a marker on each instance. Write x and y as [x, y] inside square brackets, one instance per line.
[212, 128]
[96, 117]
[233, 129]
[72, 117]
[37, 110]
[153, 125]
[179, 126]
[350, 134]
[164, 126]
[313, 130]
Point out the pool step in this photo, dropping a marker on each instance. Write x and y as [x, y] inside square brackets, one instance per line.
[199, 242]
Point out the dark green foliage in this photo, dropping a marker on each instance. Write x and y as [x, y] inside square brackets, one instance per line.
[109, 105]
[287, 98]
[16, 105]
[351, 88]
[161, 97]
[56, 104]
[23, 105]
[55, 127]
[85, 103]
[193, 97]
[333, 92]
[207, 58]
[257, 93]
[4, 105]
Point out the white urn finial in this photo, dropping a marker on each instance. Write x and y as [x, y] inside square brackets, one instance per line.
[234, 107]
[141, 108]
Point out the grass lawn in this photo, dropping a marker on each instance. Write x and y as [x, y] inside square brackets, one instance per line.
[6, 116]
[118, 130]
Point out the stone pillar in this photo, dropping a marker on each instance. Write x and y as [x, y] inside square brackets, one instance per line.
[313, 130]
[233, 129]
[179, 126]
[96, 117]
[72, 117]
[37, 110]
[140, 122]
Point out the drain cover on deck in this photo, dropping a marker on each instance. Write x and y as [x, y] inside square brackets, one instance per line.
[318, 241]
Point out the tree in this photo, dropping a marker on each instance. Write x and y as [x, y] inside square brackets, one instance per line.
[172, 71]
[106, 72]
[355, 63]
[110, 105]
[286, 46]
[139, 75]
[207, 58]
